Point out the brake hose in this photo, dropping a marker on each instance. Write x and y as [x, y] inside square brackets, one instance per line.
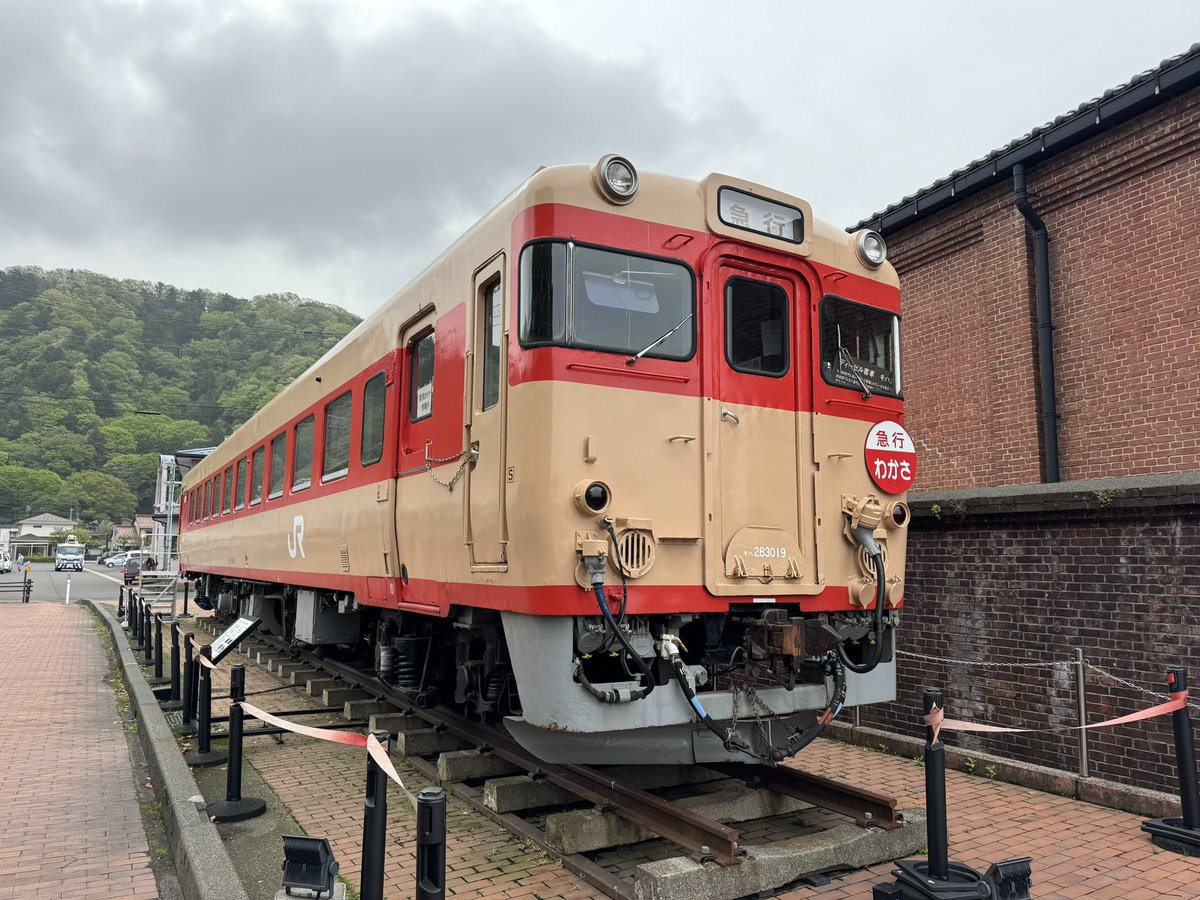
[875, 655]
[801, 739]
[617, 696]
[729, 736]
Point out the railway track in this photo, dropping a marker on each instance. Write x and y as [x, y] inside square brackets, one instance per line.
[609, 793]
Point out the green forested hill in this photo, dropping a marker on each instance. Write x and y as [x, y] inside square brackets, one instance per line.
[98, 376]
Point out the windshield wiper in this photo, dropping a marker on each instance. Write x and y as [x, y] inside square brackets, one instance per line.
[647, 349]
[850, 365]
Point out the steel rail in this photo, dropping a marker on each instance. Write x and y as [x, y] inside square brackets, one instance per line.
[698, 834]
[865, 806]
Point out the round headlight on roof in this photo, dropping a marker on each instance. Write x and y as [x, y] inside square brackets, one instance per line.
[871, 248]
[616, 178]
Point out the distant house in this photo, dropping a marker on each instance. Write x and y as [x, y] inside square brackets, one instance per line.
[32, 536]
[124, 536]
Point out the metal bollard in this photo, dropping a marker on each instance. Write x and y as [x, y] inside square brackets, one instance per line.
[431, 844]
[158, 649]
[935, 792]
[1180, 835]
[205, 754]
[185, 614]
[174, 661]
[374, 827]
[26, 585]
[235, 807]
[121, 602]
[67, 599]
[147, 640]
[135, 627]
[938, 878]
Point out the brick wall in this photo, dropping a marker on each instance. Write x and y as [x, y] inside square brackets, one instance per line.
[1123, 213]
[1017, 575]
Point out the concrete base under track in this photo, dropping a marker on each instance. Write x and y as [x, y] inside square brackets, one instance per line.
[774, 865]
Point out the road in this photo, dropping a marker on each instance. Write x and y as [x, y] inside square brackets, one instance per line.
[95, 581]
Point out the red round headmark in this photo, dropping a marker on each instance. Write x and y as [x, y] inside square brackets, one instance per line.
[890, 457]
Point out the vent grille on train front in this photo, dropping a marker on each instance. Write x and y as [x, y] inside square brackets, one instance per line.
[635, 550]
[345, 554]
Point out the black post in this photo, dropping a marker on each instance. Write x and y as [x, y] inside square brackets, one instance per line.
[185, 614]
[935, 792]
[1185, 752]
[374, 827]
[158, 648]
[189, 685]
[431, 844]
[121, 602]
[24, 584]
[135, 627]
[147, 642]
[174, 661]
[175, 701]
[205, 755]
[235, 807]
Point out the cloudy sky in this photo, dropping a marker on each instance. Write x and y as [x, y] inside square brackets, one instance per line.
[333, 148]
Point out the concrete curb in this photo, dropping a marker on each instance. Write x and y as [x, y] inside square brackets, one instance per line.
[1111, 794]
[204, 868]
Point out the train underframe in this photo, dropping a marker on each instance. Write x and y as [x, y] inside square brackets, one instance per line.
[751, 683]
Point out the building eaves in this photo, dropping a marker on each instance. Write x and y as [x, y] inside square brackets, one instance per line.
[1173, 77]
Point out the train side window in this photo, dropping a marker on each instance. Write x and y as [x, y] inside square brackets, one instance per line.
[239, 485]
[492, 319]
[227, 492]
[756, 327]
[420, 401]
[302, 455]
[207, 499]
[370, 449]
[337, 438]
[256, 476]
[278, 458]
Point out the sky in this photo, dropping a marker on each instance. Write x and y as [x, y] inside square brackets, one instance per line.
[333, 149]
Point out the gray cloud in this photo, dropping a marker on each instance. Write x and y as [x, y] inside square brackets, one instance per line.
[181, 125]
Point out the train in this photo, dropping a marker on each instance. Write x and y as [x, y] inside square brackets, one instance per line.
[622, 471]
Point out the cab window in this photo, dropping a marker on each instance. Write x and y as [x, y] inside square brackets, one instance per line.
[860, 347]
[577, 296]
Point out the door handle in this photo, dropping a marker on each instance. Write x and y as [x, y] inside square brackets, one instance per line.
[727, 416]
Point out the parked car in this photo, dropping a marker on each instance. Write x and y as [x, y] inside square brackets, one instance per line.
[5, 561]
[131, 569]
[118, 559]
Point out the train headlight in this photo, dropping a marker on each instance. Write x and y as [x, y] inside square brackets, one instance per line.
[592, 497]
[897, 515]
[871, 248]
[616, 178]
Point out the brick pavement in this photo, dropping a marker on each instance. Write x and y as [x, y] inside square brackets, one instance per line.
[70, 821]
[1079, 850]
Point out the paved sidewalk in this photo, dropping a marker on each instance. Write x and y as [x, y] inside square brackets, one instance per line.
[70, 822]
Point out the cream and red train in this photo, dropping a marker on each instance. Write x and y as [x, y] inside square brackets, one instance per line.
[623, 469]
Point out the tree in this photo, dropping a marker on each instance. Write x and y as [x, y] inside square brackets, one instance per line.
[99, 496]
[25, 492]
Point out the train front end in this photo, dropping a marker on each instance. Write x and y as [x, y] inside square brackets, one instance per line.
[705, 389]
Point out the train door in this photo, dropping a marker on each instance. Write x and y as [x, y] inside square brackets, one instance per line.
[758, 493]
[486, 415]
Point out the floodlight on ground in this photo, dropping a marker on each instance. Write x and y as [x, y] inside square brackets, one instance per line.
[308, 864]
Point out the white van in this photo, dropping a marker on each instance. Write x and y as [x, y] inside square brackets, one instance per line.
[5, 561]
